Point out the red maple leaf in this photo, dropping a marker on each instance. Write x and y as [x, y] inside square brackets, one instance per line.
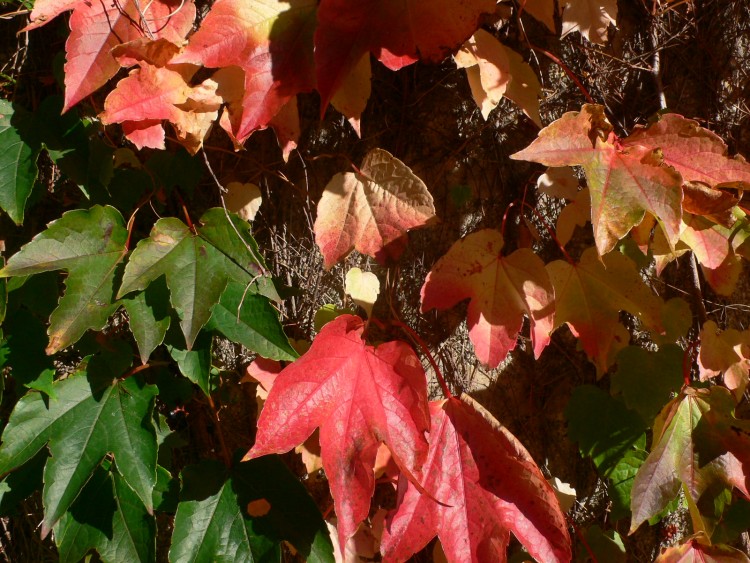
[502, 289]
[359, 396]
[488, 486]
[625, 182]
[696, 153]
[98, 27]
[271, 41]
[397, 32]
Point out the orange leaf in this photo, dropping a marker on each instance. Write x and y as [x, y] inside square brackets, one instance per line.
[98, 27]
[370, 209]
[589, 296]
[351, 97]
[696, 153]
[725, 352]
[624, 183]
[502, 290]
[397, 32]
[271, 42]
[693, 551]
[149, 94]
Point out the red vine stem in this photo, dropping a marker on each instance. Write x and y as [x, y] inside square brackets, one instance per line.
[541, 219]
[219, 433]
[185, 212]
[583, 540]
[567, 71]
[414, 336]
[142, 367]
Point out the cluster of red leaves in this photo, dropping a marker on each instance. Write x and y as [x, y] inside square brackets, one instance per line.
[463, 477]
[468, 481]
[264, 53]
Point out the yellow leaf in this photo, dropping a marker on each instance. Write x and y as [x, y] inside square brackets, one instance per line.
[363, 288]
[243, 199]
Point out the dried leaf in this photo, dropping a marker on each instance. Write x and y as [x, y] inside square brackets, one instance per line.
[591, 17]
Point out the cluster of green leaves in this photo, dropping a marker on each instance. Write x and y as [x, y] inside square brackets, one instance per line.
[93, 441]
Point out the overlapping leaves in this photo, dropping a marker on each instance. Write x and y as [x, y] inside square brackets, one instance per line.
[361, 395]
[698, 443]
[93, 415]
[502, 290]
[89, 245]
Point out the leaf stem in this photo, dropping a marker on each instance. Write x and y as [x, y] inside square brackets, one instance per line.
[421, 343]
[225, 456]
[543, 221]
[131, 219]
[697, 291]
[185, 212]
[142, 367]
[566, 70]
[581, 537]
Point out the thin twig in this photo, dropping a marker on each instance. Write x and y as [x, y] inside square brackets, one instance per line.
[566, 69]
[421, 343]
[222, 190]
[225, 455]
[697, 291]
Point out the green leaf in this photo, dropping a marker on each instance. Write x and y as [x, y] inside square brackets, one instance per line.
[329, 312]
[18, 168]
[621, 481]
[109, 517]
[127, 187]
[236, 242]
[18, 485]
[88, 244]
[250, 320]
[75, 148]
[38, 293]
[211, 525]
[194, 364]
[196, 272]
[27, 339]
[94, 414]
[176, 169]
[604, 428]
[648, 379]
[212, 521]
[735, 521]
[149, 317]
[166, 491]
[605, 546]
[197, 266]
[293, 516]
